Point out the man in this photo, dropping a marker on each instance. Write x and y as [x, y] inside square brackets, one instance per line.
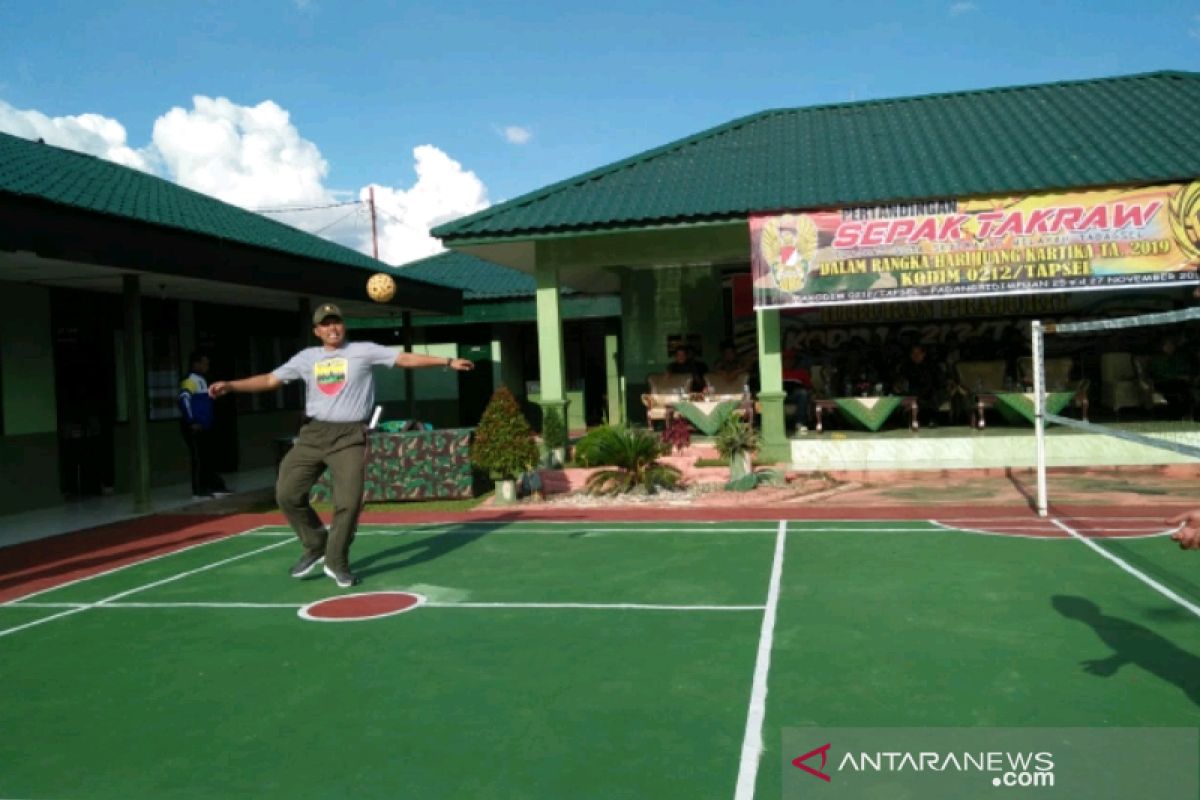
[196, 426]
[729, 361]
[921, 378]
[339, 399]
[797, 382]
[685, 364]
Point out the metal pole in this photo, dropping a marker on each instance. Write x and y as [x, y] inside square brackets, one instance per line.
[1039, 417]
[374, 235]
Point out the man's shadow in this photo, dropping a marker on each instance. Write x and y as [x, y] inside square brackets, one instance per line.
[1133, 644]
[417, 549]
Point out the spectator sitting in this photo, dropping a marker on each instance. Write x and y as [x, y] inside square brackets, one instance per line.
[685, 364]
[797, 382]
[921, 378]
[729, 361]
[1172, 377]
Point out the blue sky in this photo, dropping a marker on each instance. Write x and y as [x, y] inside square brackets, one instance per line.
[517, 94]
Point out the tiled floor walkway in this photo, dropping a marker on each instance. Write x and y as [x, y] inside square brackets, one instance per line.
[90, 512]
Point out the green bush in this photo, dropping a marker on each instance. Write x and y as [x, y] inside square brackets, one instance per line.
[736, 437]
[504, 444]
[633, 454]
[554, 430]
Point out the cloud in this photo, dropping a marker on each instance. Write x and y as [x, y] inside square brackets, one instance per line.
[86, 133]
[1194, 30]
[443, 191]
[305, 6]
[515, 134]
[254, 157]
[251, 156]
[958, 9]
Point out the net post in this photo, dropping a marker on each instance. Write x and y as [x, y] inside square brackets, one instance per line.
[1039, 418]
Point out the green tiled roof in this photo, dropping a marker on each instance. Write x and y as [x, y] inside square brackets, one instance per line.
[1124, 130]
[478, 279]
[35, 170]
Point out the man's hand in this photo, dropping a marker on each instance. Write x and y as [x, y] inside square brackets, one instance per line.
[1188, 536]
[218, 389]
[461, 364]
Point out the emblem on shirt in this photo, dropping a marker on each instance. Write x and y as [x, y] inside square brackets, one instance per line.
[331, 375]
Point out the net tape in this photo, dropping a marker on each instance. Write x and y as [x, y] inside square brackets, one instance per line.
[1188, 450]
[1139, 321]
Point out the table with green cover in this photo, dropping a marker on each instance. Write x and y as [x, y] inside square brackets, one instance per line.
[868, 412]
[1018, 407]
[707, 415]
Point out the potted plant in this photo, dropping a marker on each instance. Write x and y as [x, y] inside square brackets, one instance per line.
[738, 441]
[504, 444]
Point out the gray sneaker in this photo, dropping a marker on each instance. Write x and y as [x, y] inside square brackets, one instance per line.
[343, 577]
[305, 564]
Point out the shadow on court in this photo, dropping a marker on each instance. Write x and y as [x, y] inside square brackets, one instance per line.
[1132, 645]
[429, 548]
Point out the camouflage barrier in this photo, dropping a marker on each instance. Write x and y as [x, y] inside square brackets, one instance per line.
[416, 465]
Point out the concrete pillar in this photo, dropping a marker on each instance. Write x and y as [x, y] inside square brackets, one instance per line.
[552, 372]
[135, 393]
[776, 446]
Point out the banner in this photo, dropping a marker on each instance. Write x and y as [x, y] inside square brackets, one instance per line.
[1078, 241]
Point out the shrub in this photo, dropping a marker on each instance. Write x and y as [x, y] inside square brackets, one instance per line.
[504, 444]
[554, 430]
[677, 433]
[736, 437]
[633, 454]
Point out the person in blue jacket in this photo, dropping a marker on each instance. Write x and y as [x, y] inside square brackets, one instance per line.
[196, 425]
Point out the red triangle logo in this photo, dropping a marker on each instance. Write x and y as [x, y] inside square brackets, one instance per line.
[823, 751]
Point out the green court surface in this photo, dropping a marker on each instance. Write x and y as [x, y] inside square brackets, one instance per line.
[580, 660]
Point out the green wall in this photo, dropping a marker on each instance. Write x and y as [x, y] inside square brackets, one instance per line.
[29, 465]
[657, 303]
[27, 359]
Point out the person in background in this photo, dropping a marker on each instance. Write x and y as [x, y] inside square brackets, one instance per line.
[1172, 376]
[729, 361]
[797, 382]
[920, 377]
[339, 398]
[196, 427]
[684, 363]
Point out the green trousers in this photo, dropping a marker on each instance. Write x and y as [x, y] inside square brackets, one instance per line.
[340, 446]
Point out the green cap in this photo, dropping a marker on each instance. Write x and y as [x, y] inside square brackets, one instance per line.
[326, 310]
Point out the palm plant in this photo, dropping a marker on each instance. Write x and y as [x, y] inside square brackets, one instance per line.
[632, 454]
[738, 441]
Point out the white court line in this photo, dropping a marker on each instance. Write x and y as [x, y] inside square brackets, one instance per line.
[600, 606]
[135, 590]
[1006, 534]
[587, 606]
[57, 586]
[580, 531]
[1153, 584]
[752, 742]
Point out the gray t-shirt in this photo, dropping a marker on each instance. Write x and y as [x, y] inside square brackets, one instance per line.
[340, 386]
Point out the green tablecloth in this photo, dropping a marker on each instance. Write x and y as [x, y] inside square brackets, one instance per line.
[708, 417]
[1018, 407]
[870, 412]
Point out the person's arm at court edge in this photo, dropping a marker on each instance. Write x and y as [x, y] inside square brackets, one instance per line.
[412, 360]
[256, 383]
[1188, 536]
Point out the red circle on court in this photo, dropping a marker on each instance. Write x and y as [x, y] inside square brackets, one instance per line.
[354, 607]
